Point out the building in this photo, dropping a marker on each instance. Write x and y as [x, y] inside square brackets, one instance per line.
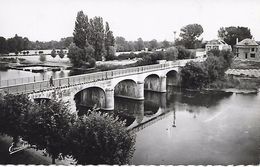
[217, 44]
[247, 49]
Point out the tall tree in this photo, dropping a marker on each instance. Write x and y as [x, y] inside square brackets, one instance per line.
[80, 31]
[3, 45]
[139, 44]
[109, 42]
[230, 34]
[97, 37]
[190, 34]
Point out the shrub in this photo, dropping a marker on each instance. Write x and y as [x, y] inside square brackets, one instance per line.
[171, 53]
[194, 75]
[101, 139]
[61, 54]
[53, 53]
[184, 53]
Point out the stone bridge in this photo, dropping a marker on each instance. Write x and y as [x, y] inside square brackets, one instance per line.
[99, 89]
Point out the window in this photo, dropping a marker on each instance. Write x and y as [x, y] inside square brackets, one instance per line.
[252, 55]
[252, 49]
[237, 54]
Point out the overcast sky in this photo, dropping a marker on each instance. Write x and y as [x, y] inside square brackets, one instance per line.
[46, 20]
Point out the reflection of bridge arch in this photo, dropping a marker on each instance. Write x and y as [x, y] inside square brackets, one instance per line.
[91, 97]
[152, 82]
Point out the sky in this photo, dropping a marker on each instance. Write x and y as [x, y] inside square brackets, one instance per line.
[46, 20]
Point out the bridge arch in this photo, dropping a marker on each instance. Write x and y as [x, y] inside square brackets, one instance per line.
[90, 97]
[152, 83]
[127, 88]
[173, 78]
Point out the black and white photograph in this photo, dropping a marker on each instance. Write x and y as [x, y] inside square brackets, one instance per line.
[130, 82]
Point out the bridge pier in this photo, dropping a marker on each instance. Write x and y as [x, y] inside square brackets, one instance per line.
[162, 84]
[140, 90]
[109, 104]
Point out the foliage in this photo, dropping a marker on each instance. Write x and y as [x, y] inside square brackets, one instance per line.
[80, 31]
[48, 127]
[109, 43]
[139, 44]
[101, 139]
[230, 34]
[212, 69]
[111, 54]
[190, 34]
[42, 58]
[14, 112]
[153, 44]
[171, 53]
[151, 58]
[53, 53]
[61, 54]
[184, 53]
[194, 75]
[77, 55]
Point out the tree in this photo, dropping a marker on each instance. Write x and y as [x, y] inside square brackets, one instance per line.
[194, 75]
[80, 31]
[171, 53]
[153, 44]
[48, 127]
[230, 34]
[77, 55]
[165, 44]
[190, 34]
[14, 112]
[53, 53]
[101, 139]
[96, 38]
[61, 54]
[109, 43]
[184, 53]
[3, 45]
[139, 44]
[121, 44]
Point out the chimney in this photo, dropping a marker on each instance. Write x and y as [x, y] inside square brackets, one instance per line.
[237, 41]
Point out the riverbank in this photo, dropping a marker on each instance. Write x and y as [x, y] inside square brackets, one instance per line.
[27, 157]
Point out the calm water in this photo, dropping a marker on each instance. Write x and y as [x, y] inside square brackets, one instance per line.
[195, 128]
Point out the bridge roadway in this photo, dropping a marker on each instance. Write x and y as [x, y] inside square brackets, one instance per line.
[101, 87]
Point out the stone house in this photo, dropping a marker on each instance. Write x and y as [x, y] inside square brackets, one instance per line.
[217, 44]
[247, 49]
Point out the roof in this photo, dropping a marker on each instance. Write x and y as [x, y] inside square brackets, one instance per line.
[216, 42]
[246, 42]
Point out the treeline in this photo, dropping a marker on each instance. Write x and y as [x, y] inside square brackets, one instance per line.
[93, 138]
[130, 46]
[18, 44]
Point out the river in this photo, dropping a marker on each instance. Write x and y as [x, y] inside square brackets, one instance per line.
[191, 128]
[209, 128]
